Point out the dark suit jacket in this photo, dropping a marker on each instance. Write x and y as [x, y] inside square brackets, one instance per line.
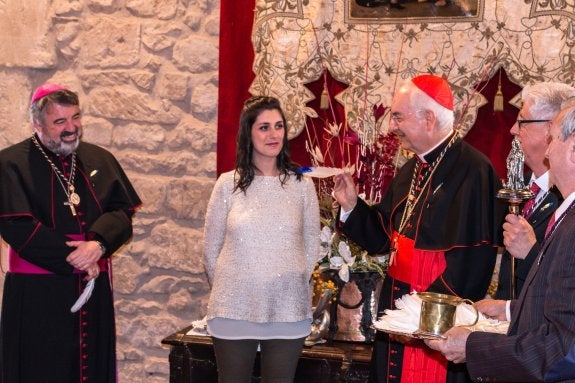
[538, 220]
[542, 328]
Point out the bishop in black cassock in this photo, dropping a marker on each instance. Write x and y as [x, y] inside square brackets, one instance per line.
[41, 339]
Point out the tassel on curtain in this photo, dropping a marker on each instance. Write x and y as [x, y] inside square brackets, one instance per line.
[324, 101]
[498, 99]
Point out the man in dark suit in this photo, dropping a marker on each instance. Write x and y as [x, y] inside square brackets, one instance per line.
[542, 328]
[541, 103]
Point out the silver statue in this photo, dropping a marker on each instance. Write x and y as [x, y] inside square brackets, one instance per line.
[515, 161]
[514, 190]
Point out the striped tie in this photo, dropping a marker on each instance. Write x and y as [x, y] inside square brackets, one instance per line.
[530, 204]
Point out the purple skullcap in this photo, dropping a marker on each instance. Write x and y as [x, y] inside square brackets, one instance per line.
[45, 90]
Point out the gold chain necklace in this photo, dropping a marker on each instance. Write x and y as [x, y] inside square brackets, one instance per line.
[69, 189]
[412, 198]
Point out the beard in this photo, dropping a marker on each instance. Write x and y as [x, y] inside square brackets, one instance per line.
[61, 148]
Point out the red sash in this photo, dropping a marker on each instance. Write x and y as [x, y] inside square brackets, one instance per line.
[419, 268]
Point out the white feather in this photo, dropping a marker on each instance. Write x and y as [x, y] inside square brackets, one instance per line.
[321, 171]
[83, 298]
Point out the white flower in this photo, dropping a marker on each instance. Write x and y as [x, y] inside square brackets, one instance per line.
[325, 238]
[345, 253]
[325, 235]
[324, 250]
[335, 262]
[344, 273]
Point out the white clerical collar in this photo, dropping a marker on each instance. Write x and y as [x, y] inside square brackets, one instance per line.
[422, 155]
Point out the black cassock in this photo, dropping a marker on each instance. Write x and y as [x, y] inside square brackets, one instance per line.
[457, 216]
[41, 340]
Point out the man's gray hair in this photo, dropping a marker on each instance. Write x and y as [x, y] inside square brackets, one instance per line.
[547, 98]
[567, 122]
[419, 100]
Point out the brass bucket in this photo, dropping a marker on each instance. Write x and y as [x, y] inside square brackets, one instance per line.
[438, 312]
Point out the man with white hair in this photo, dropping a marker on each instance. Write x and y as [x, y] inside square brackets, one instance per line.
[524, 233]
[439, 220]
[541, 333]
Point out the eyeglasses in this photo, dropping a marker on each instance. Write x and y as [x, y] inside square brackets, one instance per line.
[525, 122]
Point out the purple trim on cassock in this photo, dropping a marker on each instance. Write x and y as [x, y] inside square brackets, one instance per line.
[19, 265]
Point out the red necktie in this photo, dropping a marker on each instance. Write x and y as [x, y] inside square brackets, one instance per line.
[550, 225]
[530, 204]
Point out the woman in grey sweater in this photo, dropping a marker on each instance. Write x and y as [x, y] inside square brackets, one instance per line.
[261, 244]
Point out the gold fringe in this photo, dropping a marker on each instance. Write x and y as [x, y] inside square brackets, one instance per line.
[498, 100]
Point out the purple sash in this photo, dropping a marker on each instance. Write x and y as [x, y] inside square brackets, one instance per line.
[19, 265]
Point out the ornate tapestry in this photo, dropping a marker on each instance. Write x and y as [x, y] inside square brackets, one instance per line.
[371, 49]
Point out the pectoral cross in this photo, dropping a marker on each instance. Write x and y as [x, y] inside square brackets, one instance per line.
[73, 199]
[72, 208]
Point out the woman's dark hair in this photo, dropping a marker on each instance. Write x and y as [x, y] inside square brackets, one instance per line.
[245, 168]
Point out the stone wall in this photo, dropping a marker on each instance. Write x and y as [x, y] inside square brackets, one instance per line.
[146, 71]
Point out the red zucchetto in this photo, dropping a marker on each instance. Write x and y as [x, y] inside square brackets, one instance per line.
[435, 87]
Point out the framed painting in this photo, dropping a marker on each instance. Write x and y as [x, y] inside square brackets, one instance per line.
[413, 11]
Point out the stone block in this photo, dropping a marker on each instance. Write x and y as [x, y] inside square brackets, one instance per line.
[147, 138]
[13, 108]
[117, 45]
[126, 103]
[203, 103]
[191, 133]
[159, 36]
[26, 40]
[188, 198]
[105, 6]
[212, 27]
[127, 273]
[196, 54]
[152, 190]
[173, 85]
[176, 249]
[97, 131]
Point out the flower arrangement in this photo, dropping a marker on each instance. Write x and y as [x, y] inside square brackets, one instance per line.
[323, 287]
[368, 155]
[339, 252]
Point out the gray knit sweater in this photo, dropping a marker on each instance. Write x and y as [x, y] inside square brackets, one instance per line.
[261, 248]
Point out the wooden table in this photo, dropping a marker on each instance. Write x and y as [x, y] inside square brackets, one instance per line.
[192, 360]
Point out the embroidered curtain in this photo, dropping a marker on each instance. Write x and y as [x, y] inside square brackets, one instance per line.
[294, 42]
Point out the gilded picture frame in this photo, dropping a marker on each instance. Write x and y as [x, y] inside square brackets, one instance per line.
[413, 11]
